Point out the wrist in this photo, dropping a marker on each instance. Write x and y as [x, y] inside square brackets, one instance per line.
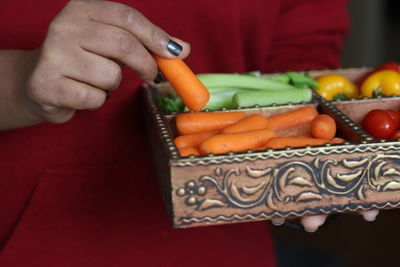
[24, 99]
[16, 108]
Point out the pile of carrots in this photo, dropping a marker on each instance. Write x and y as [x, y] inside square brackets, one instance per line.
[222, 132]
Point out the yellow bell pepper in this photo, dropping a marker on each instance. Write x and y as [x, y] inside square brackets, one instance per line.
[384, 82]
[333, 86]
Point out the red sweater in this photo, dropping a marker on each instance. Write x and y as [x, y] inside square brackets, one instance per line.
[84, 194]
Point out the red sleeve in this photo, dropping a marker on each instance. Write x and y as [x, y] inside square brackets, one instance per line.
[309, 35]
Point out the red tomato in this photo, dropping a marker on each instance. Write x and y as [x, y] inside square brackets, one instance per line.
[395, 135]
[395, 116]
[379, 124]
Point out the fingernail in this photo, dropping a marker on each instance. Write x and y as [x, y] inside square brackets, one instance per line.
[311, 230]
[158, 78]
[279, 223]
[370, 218]
[174, 48]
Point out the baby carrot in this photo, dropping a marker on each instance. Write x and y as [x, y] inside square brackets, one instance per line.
[189, 88]
[282, 142]
[323, 126]
[302, 130]
[237, 142]
[337, 140]
[251, 122]
[191, 123]
[193, 140]
[292, 118]
[187, 151]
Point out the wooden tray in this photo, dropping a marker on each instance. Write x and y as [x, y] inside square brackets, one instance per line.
[360, 174]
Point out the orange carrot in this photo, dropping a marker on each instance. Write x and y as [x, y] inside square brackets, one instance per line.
[187, 151]
[337, 140]
[323, 126]
[282, 142]
[189, 88]
[251, 122]
[302, 130]
[191, 123]
[193, 140]
[292, 118]
[237, 142]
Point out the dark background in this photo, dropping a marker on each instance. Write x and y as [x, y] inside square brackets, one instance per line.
[374, 37]
[349, 241]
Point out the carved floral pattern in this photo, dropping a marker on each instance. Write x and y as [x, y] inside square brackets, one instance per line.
[294, 181]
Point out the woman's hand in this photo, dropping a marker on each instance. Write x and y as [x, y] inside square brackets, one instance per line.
[312, 223]
[79, 61]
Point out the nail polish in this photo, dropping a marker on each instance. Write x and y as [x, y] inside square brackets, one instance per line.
[158, 78]
[174, 48]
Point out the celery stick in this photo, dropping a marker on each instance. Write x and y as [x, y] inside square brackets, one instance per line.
[223, 99]
[301, 80]
[280, 78]
[219, 90]
[241, 81]
[269, 97]
[218, 101]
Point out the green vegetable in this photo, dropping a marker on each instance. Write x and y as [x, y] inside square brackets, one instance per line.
[340, 96]
[222, 97]
[229, 90]
[280, 78]
[215, 80]
[269, 97]
[169, 104]
[297, 79]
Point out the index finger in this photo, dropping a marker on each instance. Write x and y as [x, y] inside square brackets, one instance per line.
[151, 36]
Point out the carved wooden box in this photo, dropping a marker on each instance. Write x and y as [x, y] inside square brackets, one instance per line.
[360, 174]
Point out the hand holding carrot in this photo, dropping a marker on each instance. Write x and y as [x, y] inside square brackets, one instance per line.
[79, 61]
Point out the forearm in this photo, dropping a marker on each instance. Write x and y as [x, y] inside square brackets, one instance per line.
[15, 110]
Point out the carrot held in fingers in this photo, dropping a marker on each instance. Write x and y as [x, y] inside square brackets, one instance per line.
[189, 88]
[237, 142]
[292, 118]
[282, 142]
[193, 140]
[251, 122]
[191, 123]
[187, 151]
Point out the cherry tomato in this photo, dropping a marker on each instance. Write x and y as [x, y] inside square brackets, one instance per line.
[379, 124]
[395, 135]
[395, 116]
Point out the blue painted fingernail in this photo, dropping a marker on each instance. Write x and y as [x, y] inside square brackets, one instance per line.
[174, 48]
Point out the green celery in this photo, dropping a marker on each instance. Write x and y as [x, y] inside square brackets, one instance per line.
[269, 97]
[215, 80]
